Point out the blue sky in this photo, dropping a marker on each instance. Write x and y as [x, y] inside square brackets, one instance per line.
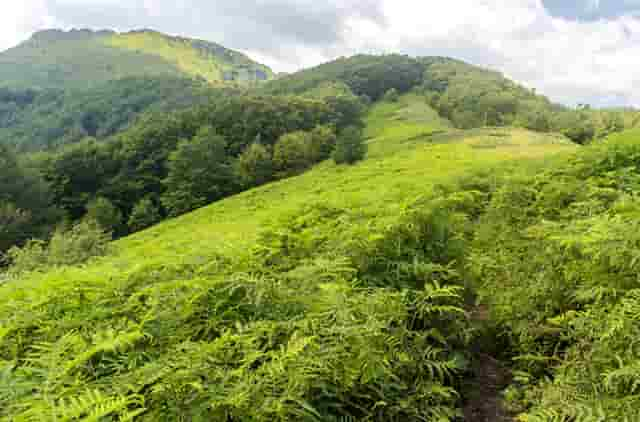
[583, 51]
[589, 10]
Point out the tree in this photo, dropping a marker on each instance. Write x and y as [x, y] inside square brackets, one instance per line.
[350, 146]
[323, 139]
[25, 202]
[144, 214]
[577, 126]
[294, 152]
[255, 165]
[392, 96]
[107, 215]
[199, 173]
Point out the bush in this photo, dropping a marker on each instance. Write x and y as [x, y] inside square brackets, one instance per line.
[75, 246]
[294, 152]
[350, 147]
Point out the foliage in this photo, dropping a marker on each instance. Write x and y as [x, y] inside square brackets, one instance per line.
[144, 214]
[134, 165]
[350, 146]
[370, 76]
[335, 295]
[255, 165]
[103, 212]
[74, 246]
[50, 119]
[25, 201]
[555, 257]
[294, 152]
[199, 173]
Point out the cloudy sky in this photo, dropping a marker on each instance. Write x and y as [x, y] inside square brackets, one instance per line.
[575, 51]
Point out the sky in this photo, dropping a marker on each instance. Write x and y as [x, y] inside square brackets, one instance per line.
[581, 51]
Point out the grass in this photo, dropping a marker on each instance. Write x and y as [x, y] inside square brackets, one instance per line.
[209, 61]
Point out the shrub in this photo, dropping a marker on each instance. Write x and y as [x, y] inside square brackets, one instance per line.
[75, 246]
[294, 152]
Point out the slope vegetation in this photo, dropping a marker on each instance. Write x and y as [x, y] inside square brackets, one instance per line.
[84, 58]
[339, 294]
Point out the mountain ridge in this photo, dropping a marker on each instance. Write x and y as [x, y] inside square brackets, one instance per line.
[82, 58]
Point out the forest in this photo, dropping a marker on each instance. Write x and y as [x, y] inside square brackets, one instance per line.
[379, 238]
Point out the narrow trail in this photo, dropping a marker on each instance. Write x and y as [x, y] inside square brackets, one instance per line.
[484, 390]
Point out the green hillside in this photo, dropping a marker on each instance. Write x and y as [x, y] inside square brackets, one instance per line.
[339, 294]
[84, 58]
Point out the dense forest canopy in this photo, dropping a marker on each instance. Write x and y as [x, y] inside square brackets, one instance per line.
[33, 120]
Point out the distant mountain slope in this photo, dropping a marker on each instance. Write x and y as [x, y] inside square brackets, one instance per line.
[34, 120]
[85, 58]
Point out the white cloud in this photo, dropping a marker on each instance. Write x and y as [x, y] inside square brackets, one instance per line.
[20, 18]
[570, 60]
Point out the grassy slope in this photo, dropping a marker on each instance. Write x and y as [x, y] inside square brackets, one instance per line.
[405, 161]
[209, 61]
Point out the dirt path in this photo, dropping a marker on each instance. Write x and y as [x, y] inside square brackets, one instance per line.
[485, 398]
[484, 390]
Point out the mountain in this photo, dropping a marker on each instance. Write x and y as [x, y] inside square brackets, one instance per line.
[85, 58]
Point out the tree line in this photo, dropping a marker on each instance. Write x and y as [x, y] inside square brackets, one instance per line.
[169, 164]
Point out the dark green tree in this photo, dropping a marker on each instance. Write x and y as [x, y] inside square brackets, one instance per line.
[323, 139]
[350, 147]
[392, 96]
[199, 173]
[25, 202]
[144, 214]
[107, 215]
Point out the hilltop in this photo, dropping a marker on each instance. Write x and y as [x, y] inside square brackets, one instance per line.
[85, 58]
